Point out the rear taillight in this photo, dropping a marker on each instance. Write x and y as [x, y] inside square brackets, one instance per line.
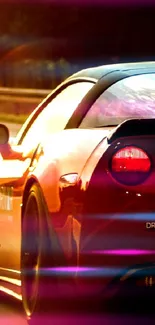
[131, 159]
[130, 165]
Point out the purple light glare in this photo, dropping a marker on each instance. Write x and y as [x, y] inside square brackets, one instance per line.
[71, 269]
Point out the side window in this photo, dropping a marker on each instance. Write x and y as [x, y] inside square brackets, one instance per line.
[56, 114]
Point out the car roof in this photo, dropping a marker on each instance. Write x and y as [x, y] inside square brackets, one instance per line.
[98, 72]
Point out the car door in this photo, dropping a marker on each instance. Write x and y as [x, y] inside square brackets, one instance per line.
[53, 118]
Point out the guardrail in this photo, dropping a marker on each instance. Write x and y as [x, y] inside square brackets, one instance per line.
[23, 95]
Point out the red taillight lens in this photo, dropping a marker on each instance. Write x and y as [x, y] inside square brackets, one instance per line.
[132, 162]
[131, 159]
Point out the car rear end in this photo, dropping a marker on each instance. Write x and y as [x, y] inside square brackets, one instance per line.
[118, 226]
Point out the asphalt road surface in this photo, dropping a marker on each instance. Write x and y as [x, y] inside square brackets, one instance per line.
[11, 313]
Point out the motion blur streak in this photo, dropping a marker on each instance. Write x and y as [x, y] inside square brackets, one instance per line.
[10, 280]
[84, 271]
[126, 216]
[124, 252]
[10, 293]
[10, 270]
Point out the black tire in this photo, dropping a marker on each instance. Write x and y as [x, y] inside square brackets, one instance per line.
[37, 255]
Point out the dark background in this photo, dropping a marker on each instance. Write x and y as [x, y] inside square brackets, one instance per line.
[43, 43]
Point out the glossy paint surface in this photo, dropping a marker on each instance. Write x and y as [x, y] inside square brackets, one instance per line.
[110, 223]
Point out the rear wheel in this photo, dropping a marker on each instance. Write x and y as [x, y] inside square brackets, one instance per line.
[31, 253]
[38, 289]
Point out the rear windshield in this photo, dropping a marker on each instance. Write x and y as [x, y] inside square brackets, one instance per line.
[132, 97]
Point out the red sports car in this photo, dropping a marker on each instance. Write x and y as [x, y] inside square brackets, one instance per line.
[77, 189]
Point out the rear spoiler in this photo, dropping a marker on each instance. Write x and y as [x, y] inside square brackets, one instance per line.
[133, 127]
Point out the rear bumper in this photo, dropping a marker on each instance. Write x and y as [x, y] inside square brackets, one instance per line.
[114, 243]
[133, 285]
[135, 290]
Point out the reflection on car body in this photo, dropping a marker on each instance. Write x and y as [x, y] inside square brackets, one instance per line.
[78, 185]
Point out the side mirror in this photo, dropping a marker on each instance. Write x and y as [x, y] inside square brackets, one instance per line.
[4, 134]
[6, 149]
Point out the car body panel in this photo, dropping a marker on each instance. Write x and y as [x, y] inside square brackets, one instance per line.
[55, 162]
[11, 189]
[61, 157]
[114, 231]
[84, 200]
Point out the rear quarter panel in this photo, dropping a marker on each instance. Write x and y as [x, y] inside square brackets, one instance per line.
[65, 152]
